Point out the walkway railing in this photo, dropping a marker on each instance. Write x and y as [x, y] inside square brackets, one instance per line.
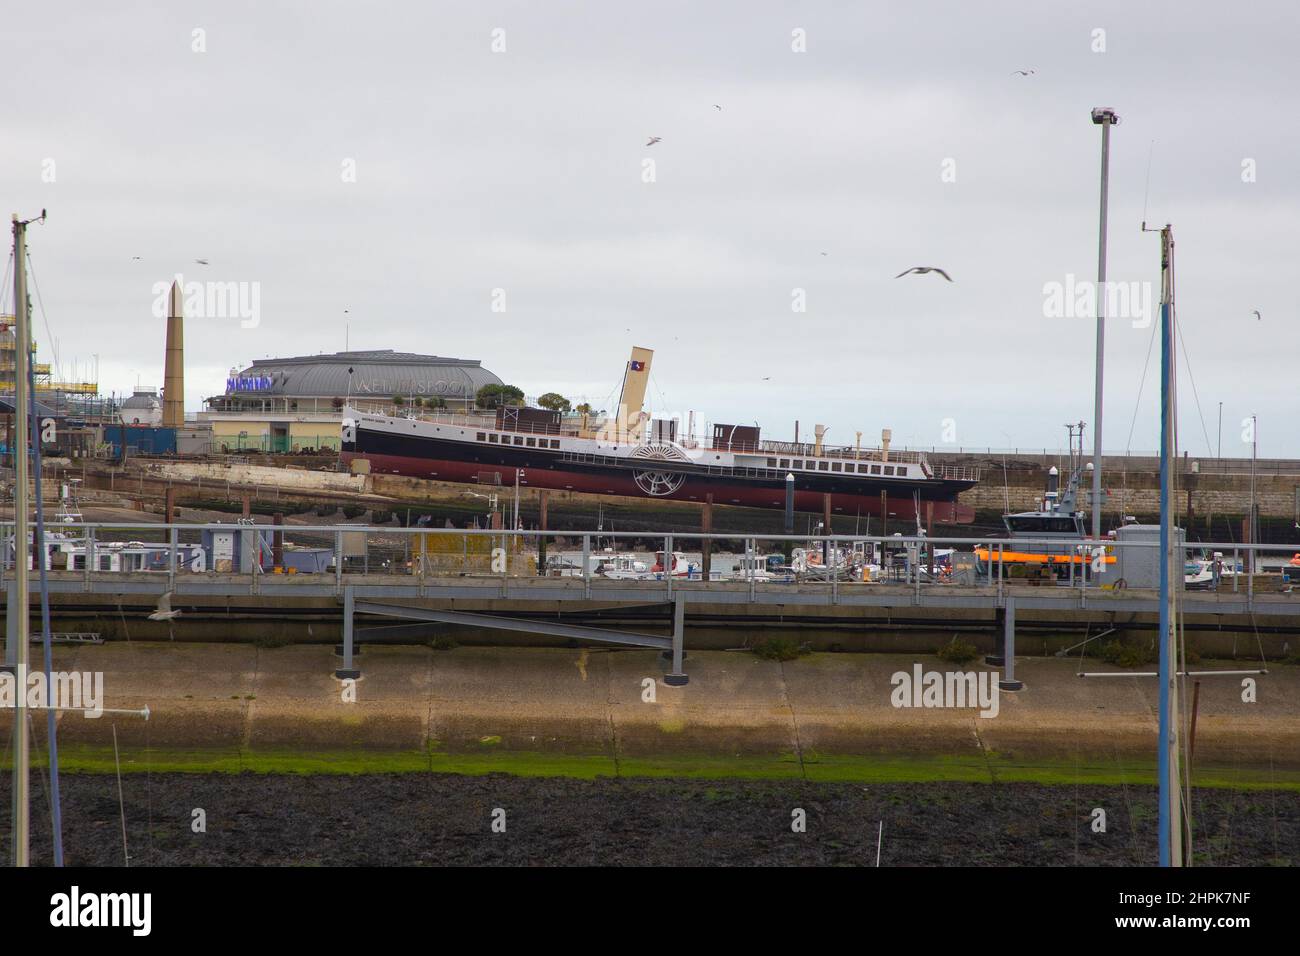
[100, 552]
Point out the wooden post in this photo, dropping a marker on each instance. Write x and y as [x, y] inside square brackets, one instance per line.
[169, 505]
[277, 541]
[541, 526]
[826, 530]
[706, 544]
[248, 505]
[884, 514]
[929, 533]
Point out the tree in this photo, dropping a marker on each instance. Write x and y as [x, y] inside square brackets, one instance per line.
[494, 396]
[399, 400]
[584, 408]
[435, 401]
[555, 402]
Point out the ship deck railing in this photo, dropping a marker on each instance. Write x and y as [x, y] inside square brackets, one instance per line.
[571, 429]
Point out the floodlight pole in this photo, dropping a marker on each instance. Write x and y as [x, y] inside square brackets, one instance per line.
[1104, 117]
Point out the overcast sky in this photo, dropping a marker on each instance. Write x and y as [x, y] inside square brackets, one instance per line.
[899, 137]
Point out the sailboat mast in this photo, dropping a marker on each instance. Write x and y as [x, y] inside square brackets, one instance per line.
[22, 548]
[1171, 829]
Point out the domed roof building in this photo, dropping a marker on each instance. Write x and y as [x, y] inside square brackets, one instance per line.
[295, 404]
[142, 408]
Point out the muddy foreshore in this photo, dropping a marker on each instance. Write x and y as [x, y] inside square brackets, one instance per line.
[419, 819]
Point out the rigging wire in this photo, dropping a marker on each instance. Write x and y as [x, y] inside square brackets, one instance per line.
[1182, 341]
[1137, 404]
[54, 347]
[121, 805]
[42, 561]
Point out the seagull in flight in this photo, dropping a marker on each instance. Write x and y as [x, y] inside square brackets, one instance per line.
[653, 140]
[717, 107]
[202, 262]
[922, 270]
[1023, 72]
[1257, 316]
[164, 610]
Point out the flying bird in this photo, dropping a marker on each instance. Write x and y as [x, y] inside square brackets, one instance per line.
[202, 262]
[164, 610]
[653, 140]
[135, 258]
[1258, 317]
[1023, 72]
[716, 106]
[922, 270]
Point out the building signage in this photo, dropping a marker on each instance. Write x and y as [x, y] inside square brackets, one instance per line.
[249, 383]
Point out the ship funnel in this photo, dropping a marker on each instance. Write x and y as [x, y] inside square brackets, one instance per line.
[886, 436]
[174, 368]
[819, 432]
[629, 424]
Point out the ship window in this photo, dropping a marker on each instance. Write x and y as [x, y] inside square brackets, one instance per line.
[875, 469]
[823, 466]
[889, 469]
[531, 443]
[482, 437]
[902, 469]
[785, 462]
[555, 443]
[519, 440]
[836, 466]
[771, 463]
[798, 463]
[492, 437]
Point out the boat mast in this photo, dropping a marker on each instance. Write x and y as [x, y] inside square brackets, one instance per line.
[18, 609]
[1171, 828]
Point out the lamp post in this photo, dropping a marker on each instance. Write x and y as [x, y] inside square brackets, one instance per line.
[1104, 117]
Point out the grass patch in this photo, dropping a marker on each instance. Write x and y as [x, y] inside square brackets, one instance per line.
[271, 641]
[818, 767]
[780, 649]
[1123, 654]
[957, 652]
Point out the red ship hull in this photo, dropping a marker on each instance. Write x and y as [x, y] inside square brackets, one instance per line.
[901, 507]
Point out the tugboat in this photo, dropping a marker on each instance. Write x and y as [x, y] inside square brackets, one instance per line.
[1047, 537]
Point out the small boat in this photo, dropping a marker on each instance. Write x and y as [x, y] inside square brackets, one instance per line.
[752, 566]
[680, 566]
[623, 567]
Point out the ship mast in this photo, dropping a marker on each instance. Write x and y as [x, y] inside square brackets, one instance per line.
[18, 609]
[1171, 825]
